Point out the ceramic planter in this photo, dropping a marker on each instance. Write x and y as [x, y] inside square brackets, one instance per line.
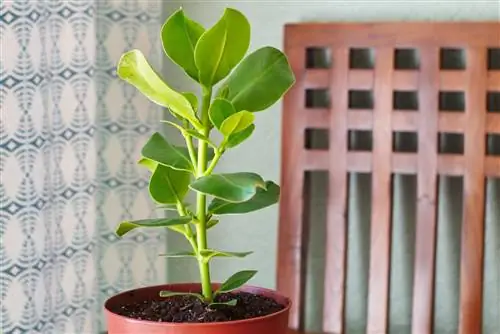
[276, 323]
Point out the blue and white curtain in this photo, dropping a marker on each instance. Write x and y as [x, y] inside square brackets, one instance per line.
[70, 134]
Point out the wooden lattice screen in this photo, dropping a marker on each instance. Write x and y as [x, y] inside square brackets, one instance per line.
[423, 85]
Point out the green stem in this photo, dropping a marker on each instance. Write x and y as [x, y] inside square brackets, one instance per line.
[187, 228]
[209, 170]
[201, 200]
[190, 146]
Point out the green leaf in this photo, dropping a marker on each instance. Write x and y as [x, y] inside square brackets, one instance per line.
[168, 186]
[193, 100]
[262, 199]
[190, 132]
[232, 302]
[232, 187]
[149, 164]
[159, 150]
[207, 254]
[261, 79]
[222, 47]
[211, 223]
[237, 280]
[127, 226]
[179, 35]
[236, 123]
[166, 294]
[179, 254]
[219, 111]
[237, 138]
[177, 228]
[135, 69]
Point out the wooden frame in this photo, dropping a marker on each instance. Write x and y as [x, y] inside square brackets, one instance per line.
[480, 42]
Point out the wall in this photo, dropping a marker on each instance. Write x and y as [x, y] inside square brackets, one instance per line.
[258, 231]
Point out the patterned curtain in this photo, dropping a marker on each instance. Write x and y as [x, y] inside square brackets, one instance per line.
[70, 134]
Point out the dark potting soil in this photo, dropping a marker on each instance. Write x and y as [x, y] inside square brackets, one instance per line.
[191, 309]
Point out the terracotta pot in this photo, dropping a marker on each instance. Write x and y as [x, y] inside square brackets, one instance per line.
[276, 323]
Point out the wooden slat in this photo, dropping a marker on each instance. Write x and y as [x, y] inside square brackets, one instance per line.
[360, 119]
[378, 296]
[291, 262]
[493, 123]
[359, 79]
[471, 261]
[317, 118]
[316, 78]
[405, 80]
[336, 227]
[423, 287]
[492, 167]
[494, 81]
[452, 81]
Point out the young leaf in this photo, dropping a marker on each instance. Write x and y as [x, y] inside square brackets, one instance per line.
[127, 226]
[211, 223]
[261, 79]
[221, 47]
[236, 123]
[149, 164]
[167, 185]
[134, 69]
[232, 302]
[179, 35]
[179, 254]
[237, 138]
[166, 294]
[159, 150]
[237, 280]
[207, 254]
[262, 199]
[193, 100]
[232, 187]
[219, 111]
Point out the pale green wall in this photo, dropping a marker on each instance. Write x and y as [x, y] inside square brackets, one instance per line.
[258, 231]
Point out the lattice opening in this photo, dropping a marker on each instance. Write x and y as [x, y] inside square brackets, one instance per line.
[316, 139]
[493, 101]
[452, 59]
[318, 57]
[452, 101]
[405, 100]
[361, 58]
[494, 59]
[406, 142]
[450, 143]
[360, 140]
[406, 59]
[493, 144]
[360, 99]
[317, 98]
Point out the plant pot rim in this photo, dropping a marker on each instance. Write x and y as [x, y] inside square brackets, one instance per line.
[246, 288]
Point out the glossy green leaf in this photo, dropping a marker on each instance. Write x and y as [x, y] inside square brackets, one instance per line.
[222, 47]
[193, 100]
[135, 69]
[237, 138]
[232, 187]
[237, 280]
[220, 109]
[149, 164]
[260, 80]
[166, 294]
[179, 35]
[159, 150]
[179, 254]
[211, 223]
[232, 302]
[236, 123]
[207, 254]
[262, 199]
[168, 186]
[127, 226]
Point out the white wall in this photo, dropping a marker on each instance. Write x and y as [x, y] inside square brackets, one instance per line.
[258, 231]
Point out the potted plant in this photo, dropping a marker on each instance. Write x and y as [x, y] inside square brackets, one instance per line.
[233, 89]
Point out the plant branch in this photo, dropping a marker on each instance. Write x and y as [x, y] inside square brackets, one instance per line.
[187, 228]
[190, 146]
[217, 156]
[201, 214]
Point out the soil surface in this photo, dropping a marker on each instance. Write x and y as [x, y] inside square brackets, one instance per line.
[191, 309]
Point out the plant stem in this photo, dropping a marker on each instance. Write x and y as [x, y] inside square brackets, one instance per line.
[190, 146]
[187, 228]
[214, 162]
[201, 200]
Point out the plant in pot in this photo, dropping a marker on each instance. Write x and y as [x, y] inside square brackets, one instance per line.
[234, 87]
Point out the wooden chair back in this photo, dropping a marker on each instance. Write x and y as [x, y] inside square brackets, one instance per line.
[430, 78]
